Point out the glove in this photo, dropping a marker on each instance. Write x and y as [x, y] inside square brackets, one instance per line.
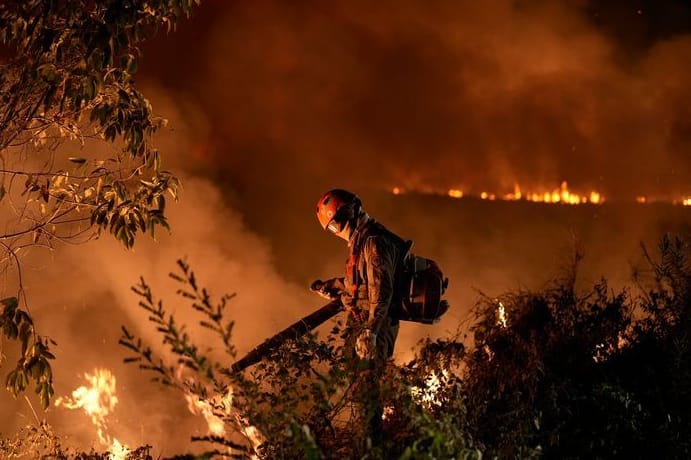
[365, 344]
[329, 289]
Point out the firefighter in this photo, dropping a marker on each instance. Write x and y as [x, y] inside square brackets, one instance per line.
[368, 294]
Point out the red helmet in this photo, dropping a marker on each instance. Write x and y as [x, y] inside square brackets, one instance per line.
[332, 209]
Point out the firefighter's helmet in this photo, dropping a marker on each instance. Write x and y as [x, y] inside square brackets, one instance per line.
[335, 208]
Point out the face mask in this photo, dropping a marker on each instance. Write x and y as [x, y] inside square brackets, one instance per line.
[334, 227]
[338, 222]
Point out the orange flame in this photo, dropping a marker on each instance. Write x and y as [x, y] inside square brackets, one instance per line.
[216, 409]
[561, 195]
[427, 395]
[205, 408]
[98, 400]
[501, 314]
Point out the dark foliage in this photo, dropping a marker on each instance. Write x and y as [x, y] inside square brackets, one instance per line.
[554, 374]
[599, 375]
[67, 85]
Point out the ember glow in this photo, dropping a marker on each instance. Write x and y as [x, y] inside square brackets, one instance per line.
[204, 408]
[553, 195]
[98, 400]
[501, 315]
[560, 194]
[427, 395]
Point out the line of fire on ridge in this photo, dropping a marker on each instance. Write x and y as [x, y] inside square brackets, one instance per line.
[560, 195]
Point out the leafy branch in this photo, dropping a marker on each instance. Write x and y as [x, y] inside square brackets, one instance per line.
[194, 372]
[67, 84]
[33, 364]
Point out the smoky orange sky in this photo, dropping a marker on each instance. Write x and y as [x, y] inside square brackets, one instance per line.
[289, 99]
[271, 103]
[476, 95]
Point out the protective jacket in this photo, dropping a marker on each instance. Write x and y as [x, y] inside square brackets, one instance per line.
[371, 274]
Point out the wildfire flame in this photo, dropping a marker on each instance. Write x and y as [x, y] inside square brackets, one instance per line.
[427, 394]
[560, 195]
[216, 409]
[205, 409]
[501, 314]
[98, 400]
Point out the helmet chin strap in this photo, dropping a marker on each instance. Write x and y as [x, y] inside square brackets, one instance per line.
[351, 226]
[355, 223]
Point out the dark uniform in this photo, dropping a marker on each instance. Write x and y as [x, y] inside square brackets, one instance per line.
[369, 296]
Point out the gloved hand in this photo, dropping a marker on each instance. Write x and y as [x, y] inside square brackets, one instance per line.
[365, 344]
[329, 289]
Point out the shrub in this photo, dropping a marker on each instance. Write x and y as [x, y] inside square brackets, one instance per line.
[557, 373]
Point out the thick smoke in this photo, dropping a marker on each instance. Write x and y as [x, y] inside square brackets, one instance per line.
[303, 96]
[449, 94]
[80, 297]
[272, 103]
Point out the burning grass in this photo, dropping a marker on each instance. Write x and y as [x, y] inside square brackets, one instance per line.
[543, 194]
[554, 373]
[40, 442]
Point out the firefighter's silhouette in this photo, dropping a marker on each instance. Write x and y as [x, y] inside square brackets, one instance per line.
[368, 292]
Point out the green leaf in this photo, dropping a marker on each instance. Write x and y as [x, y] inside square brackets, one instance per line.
[110, 133]
[25, 331]
[132, 66]
[47, 354]
[46, 393]
[10, 303]
[47, 72]
[21, 382]
[10, 330]
[10, 381]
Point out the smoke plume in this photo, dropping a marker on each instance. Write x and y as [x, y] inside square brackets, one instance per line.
[271, 103]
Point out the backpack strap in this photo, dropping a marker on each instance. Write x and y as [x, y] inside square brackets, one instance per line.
[375, 228]
[354, 257]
